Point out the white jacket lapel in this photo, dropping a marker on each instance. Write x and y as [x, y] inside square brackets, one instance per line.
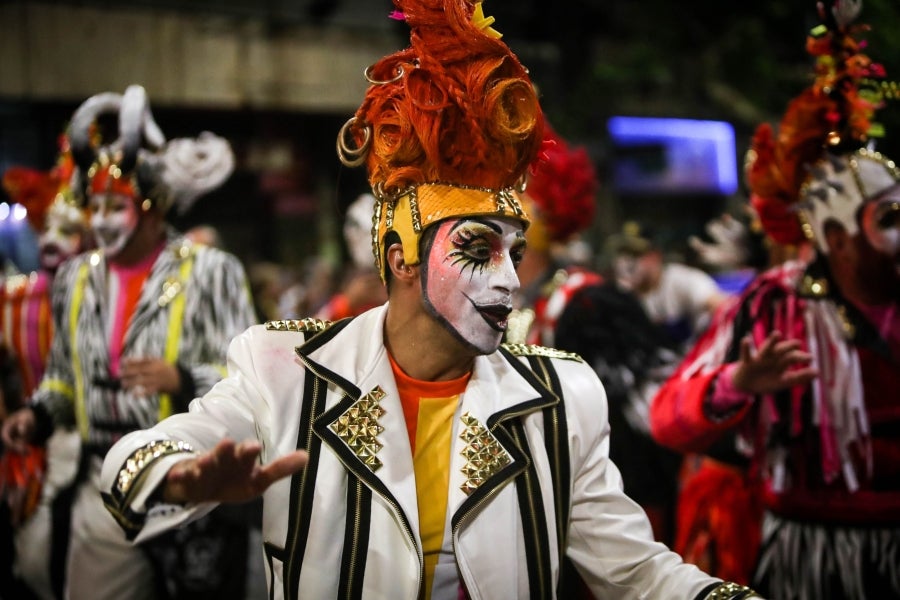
[364, 422]
[356, 363]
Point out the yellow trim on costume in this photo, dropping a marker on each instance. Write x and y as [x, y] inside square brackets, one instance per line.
[58, 386]
[176, 316]
[81, 418]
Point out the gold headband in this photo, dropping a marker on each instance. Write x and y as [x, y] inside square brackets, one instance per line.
[415, 209]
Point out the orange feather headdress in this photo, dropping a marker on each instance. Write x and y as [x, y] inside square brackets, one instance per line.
[819, 149]
[448, 126]
[41, 192]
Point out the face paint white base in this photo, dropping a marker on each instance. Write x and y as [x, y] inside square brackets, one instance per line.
[114, 220]
[470, 275]
[880, 222]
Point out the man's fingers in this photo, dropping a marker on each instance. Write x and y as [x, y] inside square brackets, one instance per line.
[183, 471]
[134, 362]
[249, 449]
[785, 346]
[246, 457]
[230, 472]
[788, 354]
[769, 343]
[280, 468]
[746, 350]
[224, 450]
[800, 376]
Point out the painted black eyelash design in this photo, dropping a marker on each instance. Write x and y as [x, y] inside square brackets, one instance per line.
[460, 254]
[517, 255]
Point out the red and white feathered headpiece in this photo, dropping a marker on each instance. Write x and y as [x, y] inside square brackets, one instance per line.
[819, 167]
[140, 162]
[561, 192]
[46, 192]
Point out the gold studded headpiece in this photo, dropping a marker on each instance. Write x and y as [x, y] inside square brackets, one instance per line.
[818, 168]
[426, 204]
[448, 126]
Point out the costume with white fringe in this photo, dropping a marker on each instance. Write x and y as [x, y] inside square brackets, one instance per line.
[821, 459]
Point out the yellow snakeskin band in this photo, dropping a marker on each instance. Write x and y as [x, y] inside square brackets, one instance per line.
[410, 213]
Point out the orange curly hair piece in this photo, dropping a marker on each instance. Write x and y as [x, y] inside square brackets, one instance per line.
[457, 106]
[33, 189]
[833, 113]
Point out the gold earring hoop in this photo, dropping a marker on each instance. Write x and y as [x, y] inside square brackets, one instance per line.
[378, 191]
[368, 75]
[146, 204]
[353, 157]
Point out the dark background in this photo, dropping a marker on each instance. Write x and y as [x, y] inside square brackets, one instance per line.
[739, 62]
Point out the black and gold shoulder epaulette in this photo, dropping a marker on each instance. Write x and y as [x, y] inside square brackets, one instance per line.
[534, 350]
[308, 325]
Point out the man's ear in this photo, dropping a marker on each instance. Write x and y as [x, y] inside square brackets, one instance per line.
[397, 265]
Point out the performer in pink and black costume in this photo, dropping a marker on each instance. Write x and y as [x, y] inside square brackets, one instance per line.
[804, 370]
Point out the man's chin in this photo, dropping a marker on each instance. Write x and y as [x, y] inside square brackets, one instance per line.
[481, 344]
[111, 251]
[485, 347]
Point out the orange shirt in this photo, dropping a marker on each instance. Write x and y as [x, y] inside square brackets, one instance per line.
[429, 407]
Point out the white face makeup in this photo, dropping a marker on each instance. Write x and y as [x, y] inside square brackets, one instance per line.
[61, 237]
[114, 219]
[470, 276]
[880, 221]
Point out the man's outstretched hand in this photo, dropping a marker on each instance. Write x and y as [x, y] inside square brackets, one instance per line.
[229, 472]
[777, 365]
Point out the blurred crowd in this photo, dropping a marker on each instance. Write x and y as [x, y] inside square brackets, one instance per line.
[751, 382]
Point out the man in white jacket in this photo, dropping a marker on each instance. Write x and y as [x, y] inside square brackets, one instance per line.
[405, 453]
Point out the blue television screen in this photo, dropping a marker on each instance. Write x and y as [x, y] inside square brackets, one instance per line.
[672, 156]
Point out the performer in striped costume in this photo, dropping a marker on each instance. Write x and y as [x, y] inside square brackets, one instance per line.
[142, 326]
[63, 232]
